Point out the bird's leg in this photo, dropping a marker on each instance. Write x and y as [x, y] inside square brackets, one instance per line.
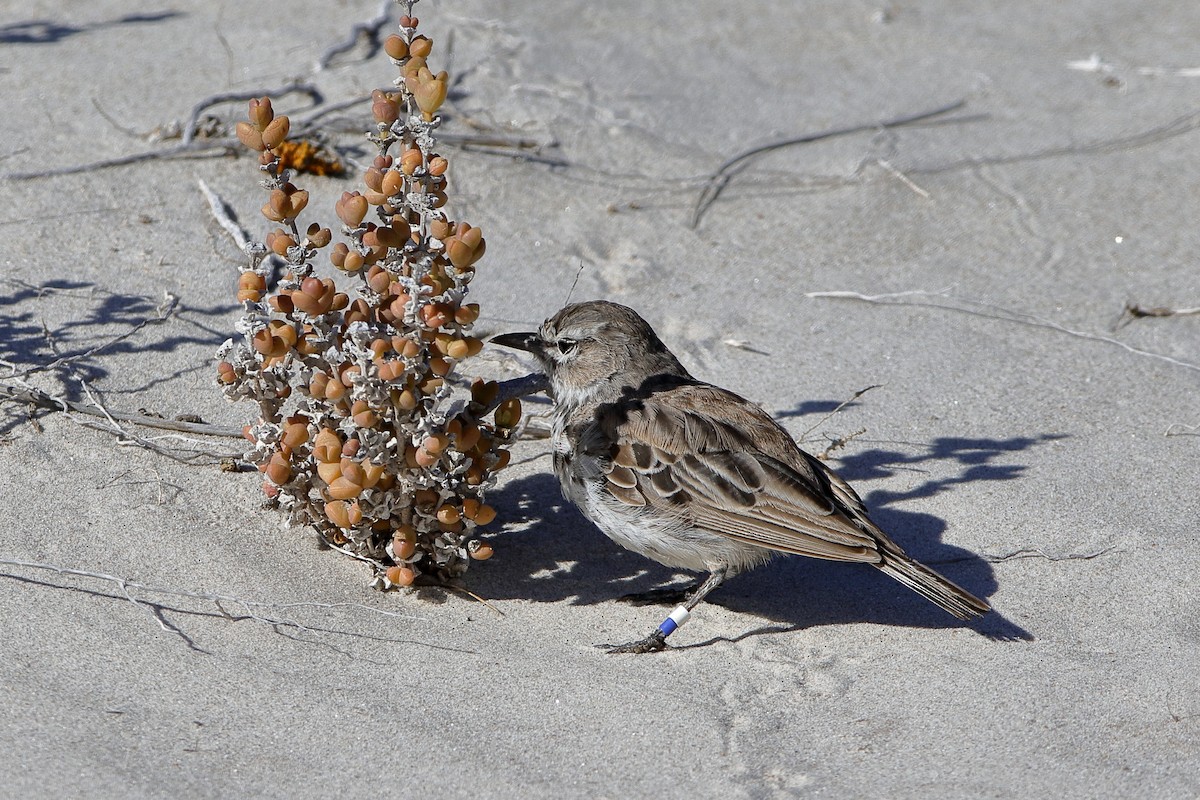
[667, 594]
[658, 639]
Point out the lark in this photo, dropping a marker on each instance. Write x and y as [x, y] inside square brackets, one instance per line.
[691, 475]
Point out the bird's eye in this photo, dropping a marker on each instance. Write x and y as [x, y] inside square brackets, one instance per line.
[566, 345]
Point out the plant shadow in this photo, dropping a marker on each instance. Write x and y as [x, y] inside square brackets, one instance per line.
[550, 553]
[113, 324]
[45, 31]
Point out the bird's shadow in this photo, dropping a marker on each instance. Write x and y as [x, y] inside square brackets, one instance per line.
[550, 553]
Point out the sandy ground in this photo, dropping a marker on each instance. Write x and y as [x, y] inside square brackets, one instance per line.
[1025, 438]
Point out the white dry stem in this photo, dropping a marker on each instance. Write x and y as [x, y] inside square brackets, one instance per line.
[252, 609]
[962, 305]
[220, 212]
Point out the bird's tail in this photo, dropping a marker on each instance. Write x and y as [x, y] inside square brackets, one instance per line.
[924, 581]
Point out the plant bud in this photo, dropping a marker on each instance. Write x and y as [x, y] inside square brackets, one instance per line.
[485, 515]
[439, 228]
[469, 437]
[484, 392]
[393, 182]
[261, 113]
[299, 199]
[329, 471]
[279, 242]
[295, 434]
[508, 413]
[408, 400]
[337, 256]
[344, 489]
[420, 47]
[395, 47]
[351, 209]
[372, 474]
[401, 576]
[411, 159]
[430, 92]
[403, 548]
[338, 512]
[352, 470]
[248, 135]
[274, 134]
[317, 236]
[378, 279]
[435, 315]
[328, 446]
[279, 470]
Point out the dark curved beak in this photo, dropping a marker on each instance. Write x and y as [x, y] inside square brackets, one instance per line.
[518, 341]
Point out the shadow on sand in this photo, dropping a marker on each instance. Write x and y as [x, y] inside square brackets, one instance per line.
[46, 31]
[551, 553]
[112, 324]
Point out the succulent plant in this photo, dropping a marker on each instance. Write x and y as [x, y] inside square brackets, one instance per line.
[361, 434]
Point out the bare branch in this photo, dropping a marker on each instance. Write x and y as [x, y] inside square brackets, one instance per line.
[301, 87]
[369, 30]
[980, 309]
[718, 180]
[224, 217]
[841, 405]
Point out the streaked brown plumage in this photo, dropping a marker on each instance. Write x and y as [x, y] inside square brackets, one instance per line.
[691, 475]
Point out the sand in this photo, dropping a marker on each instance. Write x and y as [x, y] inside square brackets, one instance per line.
[1025, 437]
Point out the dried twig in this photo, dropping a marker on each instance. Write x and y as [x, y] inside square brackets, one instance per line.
[900, 176]
[978, 308]
[124, 437]
[839, 443]
[1026, 552]
[1134, 311]
[1188, 430]
[302, 87]
[841, 405]
[194, 149]
[369, 30]
[741, 344]
[1034, 552]
[720, 179]
[224, 216]
[251, 609]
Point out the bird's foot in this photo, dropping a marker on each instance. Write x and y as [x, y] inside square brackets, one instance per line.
[651, 644]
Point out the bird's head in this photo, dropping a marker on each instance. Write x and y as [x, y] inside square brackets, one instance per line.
[593, 350]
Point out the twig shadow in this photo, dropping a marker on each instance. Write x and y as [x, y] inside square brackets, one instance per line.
[46, 31]
[108, 316]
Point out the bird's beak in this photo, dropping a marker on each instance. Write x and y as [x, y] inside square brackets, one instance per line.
[519, 341]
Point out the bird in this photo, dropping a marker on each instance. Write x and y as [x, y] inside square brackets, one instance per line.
[691, 475]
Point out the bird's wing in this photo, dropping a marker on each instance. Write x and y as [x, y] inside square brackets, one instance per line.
[725, 466]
